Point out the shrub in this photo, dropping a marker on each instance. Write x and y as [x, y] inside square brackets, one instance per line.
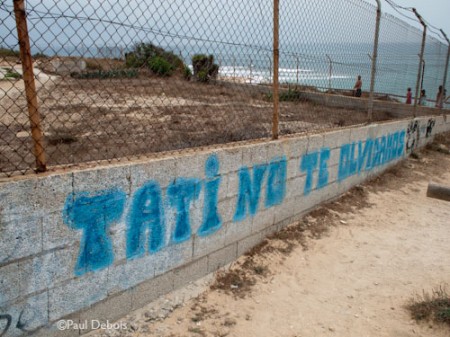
[204, 67]
[5, 52]
[11, 74]
[40, 55]
[160, 66]
[158, 60]
[187, 73]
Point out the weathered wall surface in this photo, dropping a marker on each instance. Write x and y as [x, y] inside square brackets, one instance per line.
[97, 243]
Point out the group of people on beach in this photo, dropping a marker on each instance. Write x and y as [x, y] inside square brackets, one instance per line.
[441, 97]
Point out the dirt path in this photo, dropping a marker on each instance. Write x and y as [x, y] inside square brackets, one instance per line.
[385, 243]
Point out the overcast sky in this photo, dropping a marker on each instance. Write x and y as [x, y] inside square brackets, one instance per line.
[436, 12]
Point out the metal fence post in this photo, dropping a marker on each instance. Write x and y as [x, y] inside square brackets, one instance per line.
[331, 72]
[444, 82]
[374, 62]
[298, 66]
[419, 75]
[251, 73]
[30, 86]
[276, 54]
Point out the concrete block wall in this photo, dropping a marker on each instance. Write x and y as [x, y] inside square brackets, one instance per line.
[94, 244]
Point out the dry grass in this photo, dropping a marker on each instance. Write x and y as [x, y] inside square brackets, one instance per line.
[434, 306]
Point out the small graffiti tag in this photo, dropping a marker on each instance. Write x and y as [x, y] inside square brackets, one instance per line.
[8, 320]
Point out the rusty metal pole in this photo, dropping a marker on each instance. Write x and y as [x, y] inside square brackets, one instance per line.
[276, 55]
[374, 62]
[30, 86]
[444, 82]
[330, 72]
[419, 75]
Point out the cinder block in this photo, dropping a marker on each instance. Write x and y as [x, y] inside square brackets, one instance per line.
[287, 209]
[293, 168]
[298, 146]
[264, 218]
[222, 257]
[105, 178]
[389, 128]
[223, 187]
[110, 309]
[203, 245]
[18, 198]
[295, 187]
[163, 171]
[226, 208]
[150, 290]
[118, 236]
[254, 154]
[236, 231]
[335, 139]
[51, 192]
[45, 271]
[56, 234]
[126, 274]
[27, 315]
[230, 159]
[9, 282]
[335, 156]
[173, 256]
[196, 211]
[192, 165]
[190, 272]
[363, 132]
[333, 173]
[77, 294]
[277, 149]
[233, 185]
[315, 142]
[20, 237]
[439, 121]
[248, 243]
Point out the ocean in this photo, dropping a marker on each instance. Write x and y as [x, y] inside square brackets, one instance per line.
[324, 66]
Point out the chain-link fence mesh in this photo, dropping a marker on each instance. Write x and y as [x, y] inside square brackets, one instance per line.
[120, 79]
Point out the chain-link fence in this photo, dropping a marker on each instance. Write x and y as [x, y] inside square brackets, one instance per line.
[116, 80]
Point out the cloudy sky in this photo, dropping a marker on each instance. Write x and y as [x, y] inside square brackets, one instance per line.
[436, 12]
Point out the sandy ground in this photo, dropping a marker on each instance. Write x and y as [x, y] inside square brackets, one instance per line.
[370, 253]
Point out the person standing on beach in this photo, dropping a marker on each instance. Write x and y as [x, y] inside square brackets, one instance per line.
[409, 96]
[423, 98]
[357, 88]
[440, 97]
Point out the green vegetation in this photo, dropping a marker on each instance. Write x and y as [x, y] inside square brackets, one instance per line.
[187, 73]
[434, 307]
[7, 52]
[204, 67]
[291, 95]
[40, 56]
[160, 66]
[11, 74]
[158, 60]
[121, 73]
